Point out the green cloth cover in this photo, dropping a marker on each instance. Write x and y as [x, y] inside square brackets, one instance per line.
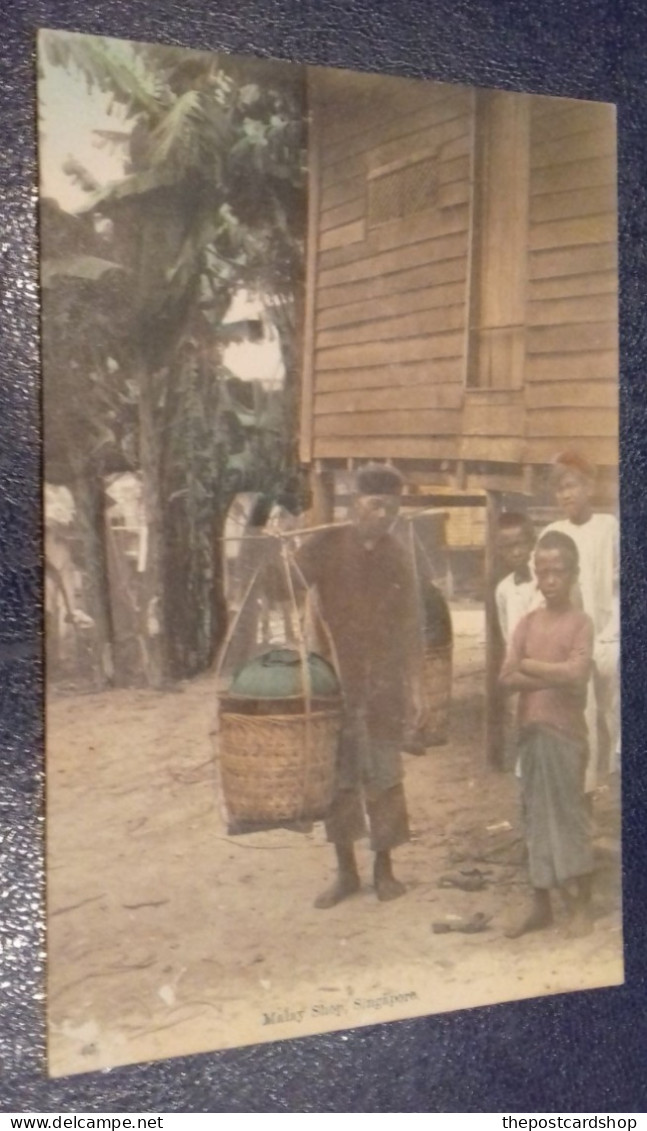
[277, 675]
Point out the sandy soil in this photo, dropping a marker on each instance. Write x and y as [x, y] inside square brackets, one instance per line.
[167, 937]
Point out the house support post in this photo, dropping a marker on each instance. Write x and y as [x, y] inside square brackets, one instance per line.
[322, 482]
[494, 698]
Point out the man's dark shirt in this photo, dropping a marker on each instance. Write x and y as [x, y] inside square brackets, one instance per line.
[367, 598]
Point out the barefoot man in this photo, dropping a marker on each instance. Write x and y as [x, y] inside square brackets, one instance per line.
[366, 594]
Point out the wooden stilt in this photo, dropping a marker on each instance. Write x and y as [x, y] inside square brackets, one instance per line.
[494, 699]
[323, 495]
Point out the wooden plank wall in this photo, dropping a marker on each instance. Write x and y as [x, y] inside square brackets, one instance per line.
[389, 334]
[571, 371]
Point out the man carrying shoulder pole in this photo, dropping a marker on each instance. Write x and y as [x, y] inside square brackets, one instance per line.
[367, 596]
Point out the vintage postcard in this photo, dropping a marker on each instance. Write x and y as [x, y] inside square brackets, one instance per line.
[330, 371]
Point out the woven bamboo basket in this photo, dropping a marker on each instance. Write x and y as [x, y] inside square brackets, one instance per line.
[279, 766]
[438, 686]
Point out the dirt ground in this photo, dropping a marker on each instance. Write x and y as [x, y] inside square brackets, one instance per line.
[168, 937]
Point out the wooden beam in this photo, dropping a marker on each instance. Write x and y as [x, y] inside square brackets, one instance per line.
[390, 423]
[503, 481]
[507, 449]
[307, 384]
[322, 483]
[580, 146]
[443, 105]
[574, 231]
[493, 420]
[390, 399]
[572, 337]
[564, 117]
[397, 259]
[432, 499]
[600, 450]
[580, 394]
[494, 699]
[573, 286]
[575, 202]
[587, 259]
[428, 297]
[341, 214]
[576, 308]
[580, 174]
[587, 365]
[564, 422]
[409, 325]
[421, 348]
[429, 477]
[422, 134]
[441, 373]
[344, 236]
[413, 279]
[344, 191]
[383, 447]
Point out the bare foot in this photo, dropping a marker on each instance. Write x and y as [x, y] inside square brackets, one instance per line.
[534, 920]
[387, 887]
[344, 886]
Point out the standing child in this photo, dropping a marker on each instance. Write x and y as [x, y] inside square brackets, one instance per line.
[549, 663]
[596, 538]
[517, 592]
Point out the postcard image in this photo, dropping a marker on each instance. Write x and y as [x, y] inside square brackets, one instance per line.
[330, 379]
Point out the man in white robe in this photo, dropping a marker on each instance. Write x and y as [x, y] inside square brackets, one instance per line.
[597, 539]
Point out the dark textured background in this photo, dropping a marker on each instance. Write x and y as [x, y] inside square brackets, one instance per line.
[579, 1052]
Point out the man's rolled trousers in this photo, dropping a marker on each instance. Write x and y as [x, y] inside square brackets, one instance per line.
[367, 596]
[369, 778]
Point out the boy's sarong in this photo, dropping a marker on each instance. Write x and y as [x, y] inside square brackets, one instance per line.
[556, 815]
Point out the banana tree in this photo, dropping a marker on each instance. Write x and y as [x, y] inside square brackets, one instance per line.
[212, 199]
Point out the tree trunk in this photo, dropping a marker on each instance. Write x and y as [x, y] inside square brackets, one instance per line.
[217, 601]
[88, 496]
[152, 621]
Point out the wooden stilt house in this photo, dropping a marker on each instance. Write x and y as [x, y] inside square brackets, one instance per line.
[461, 315]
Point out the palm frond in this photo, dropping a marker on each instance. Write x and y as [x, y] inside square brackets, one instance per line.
[136, 184]
[108, 65]
[201, 235]
[113, 139]
[193, 130]
[79, 174]
[90, 268]
[175, 135]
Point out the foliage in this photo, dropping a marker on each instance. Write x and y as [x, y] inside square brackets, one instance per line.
[89, 402]
[212, 199]
[223, 137]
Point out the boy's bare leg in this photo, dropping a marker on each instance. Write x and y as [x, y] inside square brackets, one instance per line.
[347, 882]
[538, 916]
[386, 885]
[581, 922]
